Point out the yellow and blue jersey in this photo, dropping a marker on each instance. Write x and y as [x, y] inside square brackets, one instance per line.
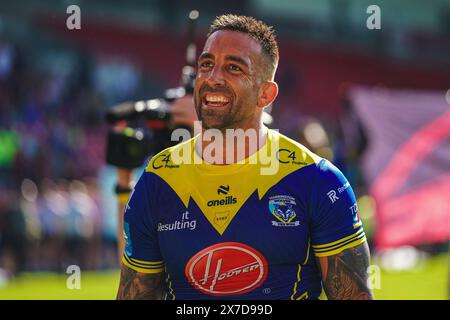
[230, 232]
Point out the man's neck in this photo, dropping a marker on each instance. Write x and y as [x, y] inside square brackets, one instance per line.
[228, 146]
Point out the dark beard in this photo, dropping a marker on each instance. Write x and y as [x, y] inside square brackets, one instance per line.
[216, 121]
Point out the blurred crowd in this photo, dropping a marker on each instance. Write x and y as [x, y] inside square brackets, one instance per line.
[50, 118]
[53, 226]
[52, 146]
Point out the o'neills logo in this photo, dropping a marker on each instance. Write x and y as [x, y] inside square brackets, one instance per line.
[228, 268]
[222, 202]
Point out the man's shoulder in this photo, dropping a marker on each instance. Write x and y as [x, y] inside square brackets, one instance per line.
[295, 155]
[293, 152]
[319, 168]
[171, 158]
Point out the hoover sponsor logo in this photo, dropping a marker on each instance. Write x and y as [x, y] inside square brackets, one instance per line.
[228, 268]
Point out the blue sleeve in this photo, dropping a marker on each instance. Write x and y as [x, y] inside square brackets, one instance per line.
[335, 223]
[141, 239]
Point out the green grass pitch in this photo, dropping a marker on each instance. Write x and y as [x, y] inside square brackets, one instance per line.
[429, 281]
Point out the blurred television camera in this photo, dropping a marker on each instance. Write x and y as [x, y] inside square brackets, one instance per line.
[142, 128]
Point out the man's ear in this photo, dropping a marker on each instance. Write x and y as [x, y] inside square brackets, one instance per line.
[268, 91]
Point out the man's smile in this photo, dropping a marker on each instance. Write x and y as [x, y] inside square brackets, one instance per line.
[215, 100]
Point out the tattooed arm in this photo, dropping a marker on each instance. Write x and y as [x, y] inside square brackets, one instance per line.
[139, 286]
[344, 275]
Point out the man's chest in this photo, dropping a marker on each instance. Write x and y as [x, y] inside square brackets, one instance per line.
[229, 225]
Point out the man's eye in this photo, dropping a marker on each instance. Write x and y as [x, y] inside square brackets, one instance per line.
[234, 67]
[206, 64]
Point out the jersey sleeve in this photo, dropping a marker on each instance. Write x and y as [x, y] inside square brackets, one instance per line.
[335, 223]
[142, 251]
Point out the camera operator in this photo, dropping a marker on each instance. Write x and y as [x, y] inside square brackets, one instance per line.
[182, 113]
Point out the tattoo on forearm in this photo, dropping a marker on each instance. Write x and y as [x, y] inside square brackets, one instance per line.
[345, 274]
[139, 286]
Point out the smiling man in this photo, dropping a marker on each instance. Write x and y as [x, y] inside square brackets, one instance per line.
[215, 227]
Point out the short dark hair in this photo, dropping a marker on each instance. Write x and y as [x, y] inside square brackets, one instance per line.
[260, 31]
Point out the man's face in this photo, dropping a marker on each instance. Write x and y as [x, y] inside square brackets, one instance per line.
[228, 79]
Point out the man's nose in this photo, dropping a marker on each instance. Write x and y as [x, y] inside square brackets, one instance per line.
[215, 77]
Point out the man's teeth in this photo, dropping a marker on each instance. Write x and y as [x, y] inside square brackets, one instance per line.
[210, 98]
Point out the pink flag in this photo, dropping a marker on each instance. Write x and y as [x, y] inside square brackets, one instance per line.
[407, 163]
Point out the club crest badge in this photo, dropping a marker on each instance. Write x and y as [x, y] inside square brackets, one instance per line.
[283, 208]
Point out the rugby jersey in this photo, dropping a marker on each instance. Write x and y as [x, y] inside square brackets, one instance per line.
[236, 231]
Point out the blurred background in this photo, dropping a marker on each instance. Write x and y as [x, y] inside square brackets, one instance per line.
[375, 102]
